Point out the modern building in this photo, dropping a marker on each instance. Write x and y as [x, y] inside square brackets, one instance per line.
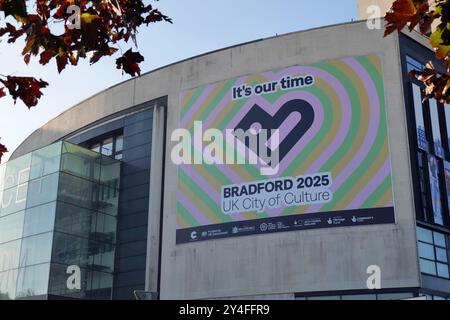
[354, 186]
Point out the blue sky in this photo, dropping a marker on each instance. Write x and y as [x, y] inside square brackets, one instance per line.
[199, 26]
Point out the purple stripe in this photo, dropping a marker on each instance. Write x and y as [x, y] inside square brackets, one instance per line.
[193, 210]
[345, 103]
[204, 185]
[369, 139]
[226, 99]
[285, 128]
[187, 118]
[371, 187]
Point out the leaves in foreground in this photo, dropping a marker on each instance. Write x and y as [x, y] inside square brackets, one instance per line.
[421, 15]
[92, 30]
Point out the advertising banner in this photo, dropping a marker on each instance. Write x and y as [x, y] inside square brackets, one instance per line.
[303, 147]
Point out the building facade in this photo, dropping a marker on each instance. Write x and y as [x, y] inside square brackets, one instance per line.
[371, 161]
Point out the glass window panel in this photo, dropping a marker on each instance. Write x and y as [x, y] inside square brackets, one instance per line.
[360, 297]
[325, 298]
[39, 219]
[96, 147]
[75, 220]
[100, 285]
[420, 123]
[13, 199]
[447, 121]
[442, 270]
[8, 282]
[33, 281]
[441, 255]
[77, 191]
[395, 296]
[36, 249]
[438, 298]
[425, 235]
[9, 255]
[435, 190]
[45, 161]
[107, 146]
[104, 261]
[119, 156]
[17, 171]
[119, 143]
[11, 227]
[71, 250]
[428, 267]
[110, 172]
[2, 175]
[85, 167]
[447, 184]
[426, 251]
[106, 228]
[437, 140]
[108, 200]
[58, 282]
[42, 190]
[439, 239]
[413, 64]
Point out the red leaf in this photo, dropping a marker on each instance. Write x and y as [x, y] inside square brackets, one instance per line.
[27, 89]
[3, 150]
[129, 62]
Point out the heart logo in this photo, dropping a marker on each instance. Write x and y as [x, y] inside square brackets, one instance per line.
[293, 120]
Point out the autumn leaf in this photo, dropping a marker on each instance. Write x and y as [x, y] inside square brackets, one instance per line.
[405, 12]
[3, 150]
[27, 89]
[129, 62]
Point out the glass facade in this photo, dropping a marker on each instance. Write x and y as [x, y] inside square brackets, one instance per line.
[434, 253]
[58, 208]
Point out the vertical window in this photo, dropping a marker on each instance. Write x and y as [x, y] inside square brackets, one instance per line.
[118, 148]
[111, 146]
[413, 64]
[447, 122]
[424, 186]
[107, 146]
[435, 127]
[433, 252]
[96, 147]
[420, 122]
[447, 183]
[435, 190]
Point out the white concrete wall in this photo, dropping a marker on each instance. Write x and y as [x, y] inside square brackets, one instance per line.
[277, 264]
[320, 260]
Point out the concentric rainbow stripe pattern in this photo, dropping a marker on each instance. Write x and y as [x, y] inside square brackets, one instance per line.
[348, 138]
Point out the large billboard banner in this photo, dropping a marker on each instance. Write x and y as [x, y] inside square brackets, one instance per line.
[298, 148]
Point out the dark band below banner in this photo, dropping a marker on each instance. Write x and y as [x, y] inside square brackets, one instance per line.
[321, 220]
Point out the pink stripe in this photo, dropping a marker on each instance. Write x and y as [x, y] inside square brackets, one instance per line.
[226, 100]
[285, 128]
[371, 186]
[193, 210]
[187, 118]
[369, 139]
[204, 185]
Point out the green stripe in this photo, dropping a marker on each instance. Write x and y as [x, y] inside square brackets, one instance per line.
[203, 196]
[367, 162]
[182, 212]
[318, 138]
[197, 93]
[371, 202]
